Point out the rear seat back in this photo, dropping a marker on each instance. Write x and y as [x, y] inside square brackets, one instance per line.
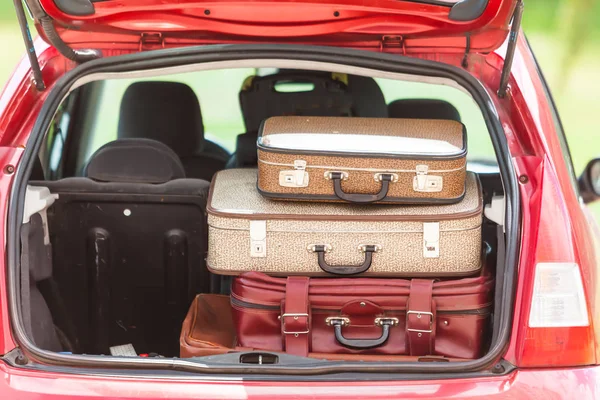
[129, 243]
[423, 108]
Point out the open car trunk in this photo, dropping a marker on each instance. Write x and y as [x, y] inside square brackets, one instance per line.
[111, 279]
[100, 265]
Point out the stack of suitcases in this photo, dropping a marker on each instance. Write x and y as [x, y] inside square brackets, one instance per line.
[356, 238]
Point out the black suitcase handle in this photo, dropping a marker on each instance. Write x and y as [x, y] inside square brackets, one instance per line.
[337, 178]
[339, 322]
[321, 249]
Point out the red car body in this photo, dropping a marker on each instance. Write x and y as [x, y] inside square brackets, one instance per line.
[556, 226]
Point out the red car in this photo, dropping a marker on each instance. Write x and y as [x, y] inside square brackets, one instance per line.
[60, 311]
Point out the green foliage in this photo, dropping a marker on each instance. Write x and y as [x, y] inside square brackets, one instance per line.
[560, 16]
[7, 11]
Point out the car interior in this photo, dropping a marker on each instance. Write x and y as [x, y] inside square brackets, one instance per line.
[118, 253]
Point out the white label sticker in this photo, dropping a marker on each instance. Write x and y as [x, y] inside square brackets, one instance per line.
[124, 350]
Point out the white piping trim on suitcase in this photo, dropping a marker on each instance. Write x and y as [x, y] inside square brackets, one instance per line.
[345, 232]
[361, 169]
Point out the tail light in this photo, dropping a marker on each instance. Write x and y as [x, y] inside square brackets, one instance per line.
[558, 300]
[558, 331]
[556, 325]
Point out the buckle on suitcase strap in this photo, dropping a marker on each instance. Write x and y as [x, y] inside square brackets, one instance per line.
[419, 314]
[295, 318]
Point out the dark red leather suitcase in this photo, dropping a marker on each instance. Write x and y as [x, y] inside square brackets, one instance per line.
[419, 317]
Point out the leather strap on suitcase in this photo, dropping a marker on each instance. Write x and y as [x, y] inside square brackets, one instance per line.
[295, 318]
[420, 318]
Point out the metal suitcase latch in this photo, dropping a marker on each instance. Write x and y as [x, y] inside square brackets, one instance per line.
[424, 182]
[258, 239]
[431, 239]
[298, 177]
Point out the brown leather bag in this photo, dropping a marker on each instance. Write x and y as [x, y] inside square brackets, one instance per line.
[208, 327]
[419, 317]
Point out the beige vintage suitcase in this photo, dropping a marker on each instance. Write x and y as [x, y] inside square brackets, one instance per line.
[362, 160]
[248, 232]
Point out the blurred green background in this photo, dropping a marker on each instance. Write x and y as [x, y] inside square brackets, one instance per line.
[565, 36]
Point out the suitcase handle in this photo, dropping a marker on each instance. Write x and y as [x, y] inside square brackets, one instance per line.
[337, 178]
[384, 323]
[321, 249]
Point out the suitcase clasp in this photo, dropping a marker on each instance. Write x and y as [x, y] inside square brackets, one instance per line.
[298, 177]
[424, 182]
[431, 239]
[258, 239]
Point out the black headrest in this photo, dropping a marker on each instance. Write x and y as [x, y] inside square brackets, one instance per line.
[134, 161]
[261, 97]
[165, 111]
[423, 108]
[348, 95]
[367, 97]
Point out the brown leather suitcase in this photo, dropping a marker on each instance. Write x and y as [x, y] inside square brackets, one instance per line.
[362, 160]
[248, 232]
[366, 316]
[208, 330]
